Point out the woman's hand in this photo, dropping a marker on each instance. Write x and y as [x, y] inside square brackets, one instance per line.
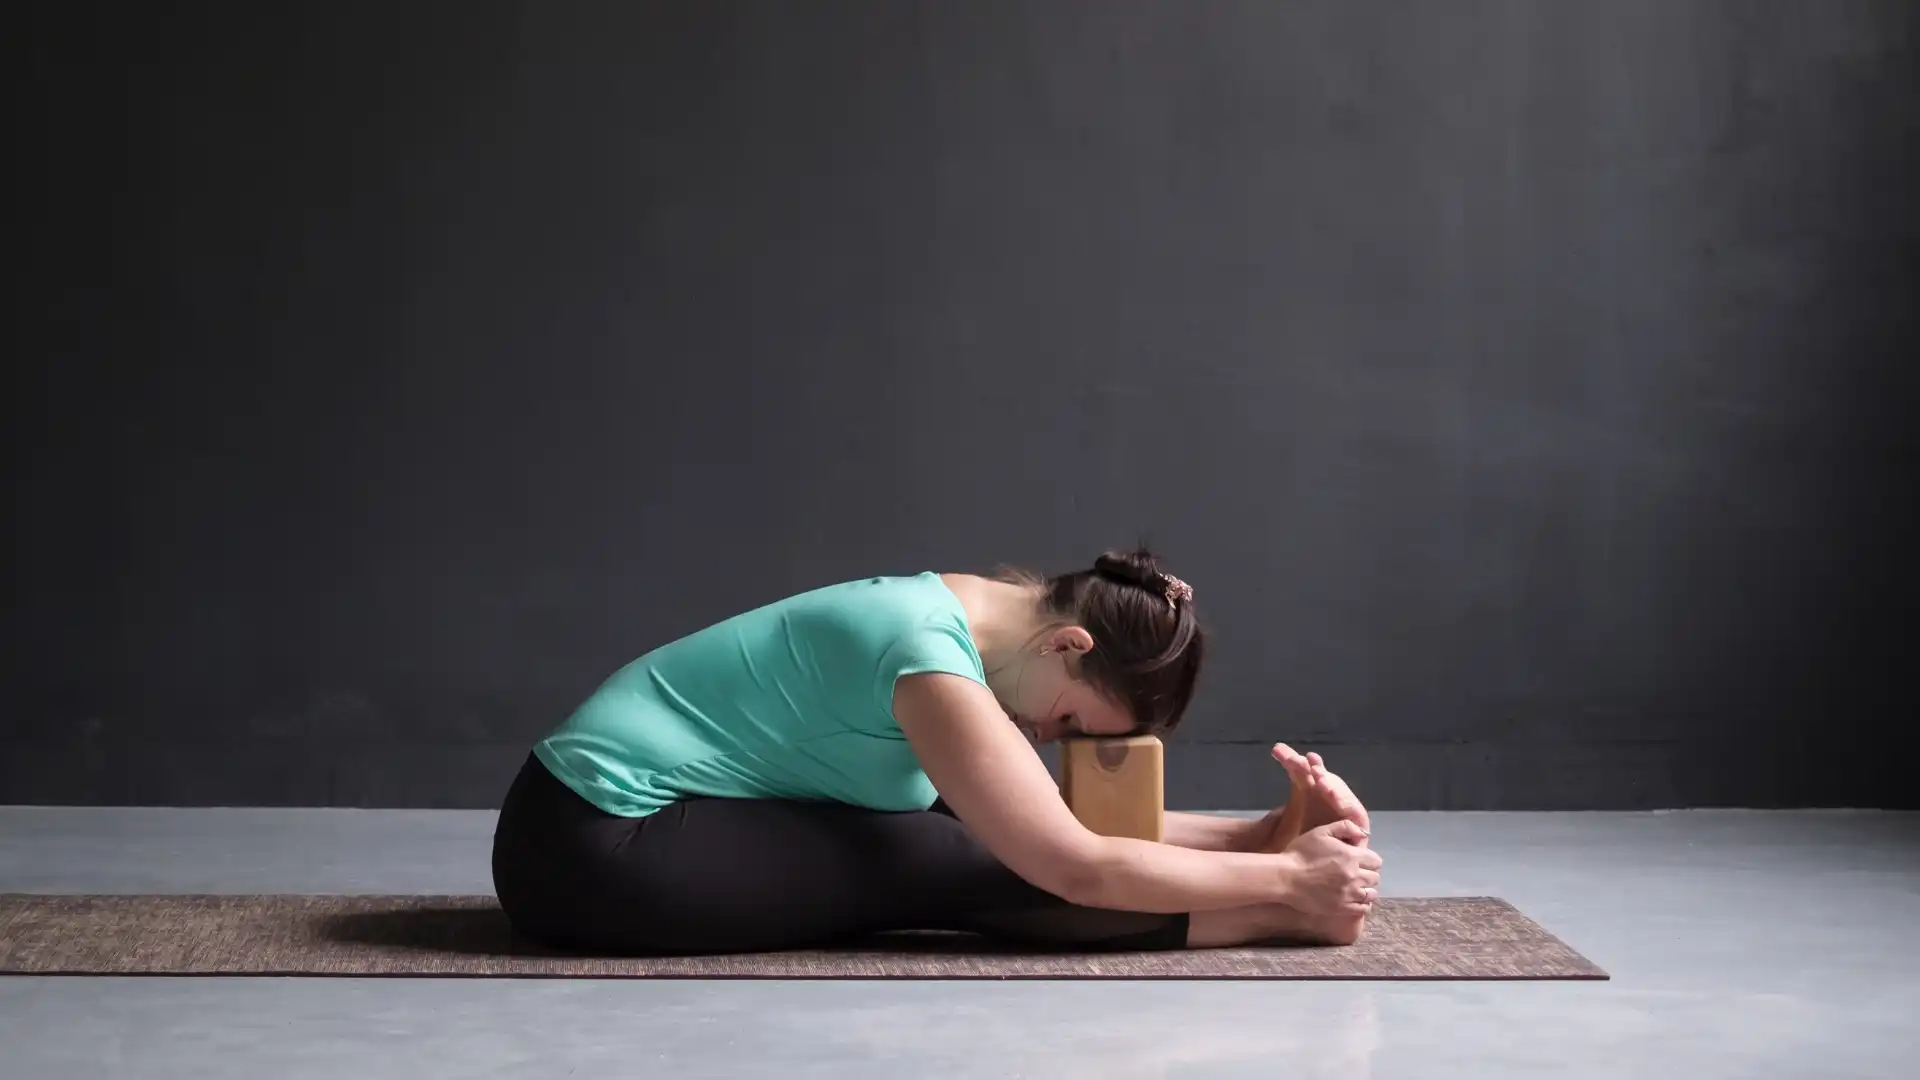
[995, 783]
[1333, 872]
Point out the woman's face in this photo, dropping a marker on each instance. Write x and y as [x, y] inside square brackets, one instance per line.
[1048, 700]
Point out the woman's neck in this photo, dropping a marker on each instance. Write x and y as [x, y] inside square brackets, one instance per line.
[1003, 617]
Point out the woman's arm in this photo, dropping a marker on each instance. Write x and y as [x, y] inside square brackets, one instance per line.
[1206, 832]
[995, 783]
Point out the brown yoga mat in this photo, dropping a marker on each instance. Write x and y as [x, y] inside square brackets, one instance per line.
[467, 936]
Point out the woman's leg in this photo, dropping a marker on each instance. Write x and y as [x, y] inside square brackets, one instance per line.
[1235, 926]
[733, 875]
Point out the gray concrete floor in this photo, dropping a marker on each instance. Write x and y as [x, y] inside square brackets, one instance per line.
[1741, 944]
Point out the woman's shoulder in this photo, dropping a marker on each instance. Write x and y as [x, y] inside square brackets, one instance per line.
[914, 625]
[883, 608]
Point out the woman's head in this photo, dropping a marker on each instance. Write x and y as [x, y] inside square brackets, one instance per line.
[1119, 652]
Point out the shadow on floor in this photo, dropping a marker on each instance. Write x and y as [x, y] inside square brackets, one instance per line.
[466, 930]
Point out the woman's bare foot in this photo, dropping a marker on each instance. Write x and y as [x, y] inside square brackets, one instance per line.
[1327, 797]
[1292, 821]
[1270, 924]
[1317, 798]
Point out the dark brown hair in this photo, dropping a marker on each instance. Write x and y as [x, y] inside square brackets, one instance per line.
[1148, 641]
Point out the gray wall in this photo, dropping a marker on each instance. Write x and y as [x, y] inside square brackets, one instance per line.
[1525, 387]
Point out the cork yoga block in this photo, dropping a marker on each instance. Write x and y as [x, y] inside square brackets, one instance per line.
[1116, 786]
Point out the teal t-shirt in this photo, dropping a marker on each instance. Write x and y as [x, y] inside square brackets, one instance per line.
[793, 700]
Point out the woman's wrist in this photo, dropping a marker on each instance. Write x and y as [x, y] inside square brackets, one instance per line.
[1286, 874]
[1270, 877]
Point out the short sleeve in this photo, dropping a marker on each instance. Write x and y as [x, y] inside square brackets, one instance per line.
[934, 645]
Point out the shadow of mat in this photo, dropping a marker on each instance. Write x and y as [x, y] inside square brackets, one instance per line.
[461, 931]
[482, 931]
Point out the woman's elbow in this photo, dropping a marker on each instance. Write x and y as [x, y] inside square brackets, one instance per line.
[1082, 877]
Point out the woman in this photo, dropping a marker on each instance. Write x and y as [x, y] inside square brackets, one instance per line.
[861, 758]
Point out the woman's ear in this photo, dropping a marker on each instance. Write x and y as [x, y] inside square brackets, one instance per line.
[1070, 639]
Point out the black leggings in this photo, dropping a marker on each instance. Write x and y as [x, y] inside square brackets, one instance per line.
[748, 875]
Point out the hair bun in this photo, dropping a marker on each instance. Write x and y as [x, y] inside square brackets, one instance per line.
[1137, 567]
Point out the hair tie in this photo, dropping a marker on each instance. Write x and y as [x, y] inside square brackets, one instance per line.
[1177, 590]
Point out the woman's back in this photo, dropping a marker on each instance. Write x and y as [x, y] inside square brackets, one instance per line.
[792, 700]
